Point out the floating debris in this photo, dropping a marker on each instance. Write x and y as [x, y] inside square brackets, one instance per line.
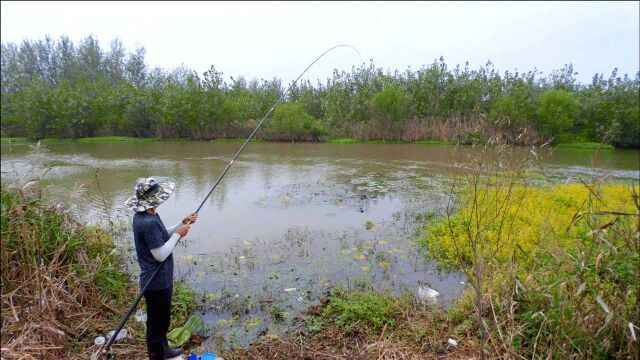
[100, 340]
[290, 289]
[452, 342]
[368, 224]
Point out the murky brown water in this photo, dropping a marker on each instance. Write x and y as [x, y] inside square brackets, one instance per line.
[286, 215]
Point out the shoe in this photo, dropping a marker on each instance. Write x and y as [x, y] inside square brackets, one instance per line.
[154, 354]
[170, 353]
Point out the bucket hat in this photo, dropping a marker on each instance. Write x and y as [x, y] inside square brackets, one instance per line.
[149, 194]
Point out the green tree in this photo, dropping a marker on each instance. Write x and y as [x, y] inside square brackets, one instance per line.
[390, 104]
[557, 112]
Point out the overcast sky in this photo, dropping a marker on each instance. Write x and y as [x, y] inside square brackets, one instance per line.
[279, 39]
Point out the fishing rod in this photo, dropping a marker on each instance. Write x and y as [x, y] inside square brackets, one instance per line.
[222, 174]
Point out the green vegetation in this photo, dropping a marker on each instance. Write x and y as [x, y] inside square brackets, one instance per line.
[368, 325]
[116, 139]
[369, 309]
[57, 88]
[420, 142]
[586, 145]
[235, 140]
[546, 263]
[13, 140]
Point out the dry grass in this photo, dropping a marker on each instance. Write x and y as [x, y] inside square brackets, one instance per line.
[455, 129]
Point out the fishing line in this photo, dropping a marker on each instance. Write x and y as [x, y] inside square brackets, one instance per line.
[222, 174]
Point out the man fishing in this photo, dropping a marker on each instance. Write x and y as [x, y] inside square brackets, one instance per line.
[154, 246]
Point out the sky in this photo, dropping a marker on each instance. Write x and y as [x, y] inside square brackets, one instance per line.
[279, 39]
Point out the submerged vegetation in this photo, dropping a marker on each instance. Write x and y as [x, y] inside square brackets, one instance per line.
[60, 89]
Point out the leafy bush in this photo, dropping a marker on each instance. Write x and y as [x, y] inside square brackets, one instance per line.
[390, 104]
[557, 112]
[291, 122]
[369, 309]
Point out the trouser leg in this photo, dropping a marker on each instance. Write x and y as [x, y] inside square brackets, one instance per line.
[158, 318]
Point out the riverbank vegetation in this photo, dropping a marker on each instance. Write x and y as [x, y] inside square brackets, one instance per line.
[63, 285]
[361, 324]
[61, 89]
[553, 267]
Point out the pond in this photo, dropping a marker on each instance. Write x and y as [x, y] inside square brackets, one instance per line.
[289, 221]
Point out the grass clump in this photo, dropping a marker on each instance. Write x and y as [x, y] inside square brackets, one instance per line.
[369, 309]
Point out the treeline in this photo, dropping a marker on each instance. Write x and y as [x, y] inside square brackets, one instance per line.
[55, 88]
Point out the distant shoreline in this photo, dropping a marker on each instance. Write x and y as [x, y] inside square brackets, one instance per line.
[121, 139]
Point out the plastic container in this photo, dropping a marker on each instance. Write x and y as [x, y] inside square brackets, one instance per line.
[209, 356]
[121, 335]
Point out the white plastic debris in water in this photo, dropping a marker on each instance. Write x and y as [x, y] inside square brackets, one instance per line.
[290, 289]
[428, 294]
[141, 316]
[99, 340]
[300, 299]
[121, 335]
[452, 342]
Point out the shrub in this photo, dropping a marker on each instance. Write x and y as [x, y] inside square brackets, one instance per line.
[291, 122]
[390, 104]
[557, 112]
[369, 309]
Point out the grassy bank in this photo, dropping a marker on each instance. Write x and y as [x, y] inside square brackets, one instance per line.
[62, 285]
[367, 325]
[586, 145]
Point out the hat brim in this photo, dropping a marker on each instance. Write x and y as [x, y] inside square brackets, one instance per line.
[137, 204]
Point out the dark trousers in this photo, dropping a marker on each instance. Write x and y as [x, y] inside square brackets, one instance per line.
[158, 317]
